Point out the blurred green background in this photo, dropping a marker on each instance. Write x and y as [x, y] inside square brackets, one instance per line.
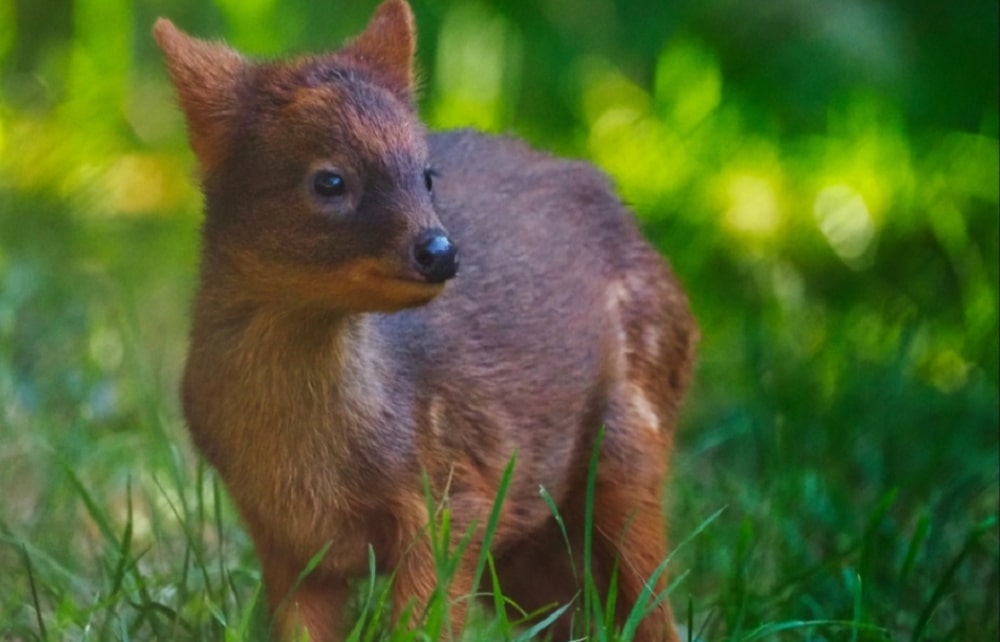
[822, 175]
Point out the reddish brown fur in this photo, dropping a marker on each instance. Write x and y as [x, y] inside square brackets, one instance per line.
[325, 375]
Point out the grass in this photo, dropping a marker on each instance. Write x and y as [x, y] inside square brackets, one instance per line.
[828, 498]
[836, 474]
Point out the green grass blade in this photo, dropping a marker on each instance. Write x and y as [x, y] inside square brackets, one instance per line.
[93, 509]
[611, 598]
[591, 595]
[494, 519]
[937, 596]
[118, 577]
[766, 631]
[311, 566]
[219, 534]
[541, 625]
[853, 581]
[181, 515]
[647, 601]
[305, 572]
[499, 601]
[551, 503]
[690, 618]
[916, 542]
[36, 603]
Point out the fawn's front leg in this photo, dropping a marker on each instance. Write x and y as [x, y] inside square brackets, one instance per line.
[417, 583]
[311, 610]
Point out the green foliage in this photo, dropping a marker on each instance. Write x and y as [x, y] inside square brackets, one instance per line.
[824, 177]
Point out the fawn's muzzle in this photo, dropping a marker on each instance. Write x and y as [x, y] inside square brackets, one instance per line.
[435, 256]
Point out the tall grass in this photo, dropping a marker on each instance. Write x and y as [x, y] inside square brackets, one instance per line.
[865, 512]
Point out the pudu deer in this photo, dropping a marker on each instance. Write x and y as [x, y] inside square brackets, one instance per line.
[379, 306]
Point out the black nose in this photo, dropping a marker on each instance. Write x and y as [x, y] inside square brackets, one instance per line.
[436, 257]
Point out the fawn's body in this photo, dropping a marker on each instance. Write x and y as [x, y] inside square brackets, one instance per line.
[328, 372]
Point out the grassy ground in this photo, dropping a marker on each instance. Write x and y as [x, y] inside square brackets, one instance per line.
[849, 492]
[834, 218]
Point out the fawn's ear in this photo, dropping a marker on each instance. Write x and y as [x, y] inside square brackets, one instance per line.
[205, 75]
[387, 46]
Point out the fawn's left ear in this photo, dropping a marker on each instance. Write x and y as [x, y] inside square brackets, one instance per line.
[387, 46]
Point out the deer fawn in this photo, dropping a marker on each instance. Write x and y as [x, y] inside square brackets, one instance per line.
[340, 350]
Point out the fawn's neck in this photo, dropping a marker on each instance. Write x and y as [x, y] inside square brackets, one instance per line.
[272, 380]
[298, 410]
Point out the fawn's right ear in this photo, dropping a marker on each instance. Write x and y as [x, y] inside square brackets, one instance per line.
[205, 75]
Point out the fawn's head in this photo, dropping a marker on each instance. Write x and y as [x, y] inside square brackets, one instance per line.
[315, 170]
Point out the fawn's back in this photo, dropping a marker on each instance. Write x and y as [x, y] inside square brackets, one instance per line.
[377, 305]
[562, 319]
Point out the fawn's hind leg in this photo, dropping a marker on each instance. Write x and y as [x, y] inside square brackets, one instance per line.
[542, 573]
[538, 576]
[629, 527]
[629, 533]
[650, 349]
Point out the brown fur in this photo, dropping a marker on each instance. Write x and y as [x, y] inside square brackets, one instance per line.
[325, 375]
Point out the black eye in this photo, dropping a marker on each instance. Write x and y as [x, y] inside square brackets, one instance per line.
[429, 175]
[329, 184]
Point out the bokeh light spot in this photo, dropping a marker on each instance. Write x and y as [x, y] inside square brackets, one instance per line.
[753, 205]
[478, 66]
[688, 83]
[844, 219]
